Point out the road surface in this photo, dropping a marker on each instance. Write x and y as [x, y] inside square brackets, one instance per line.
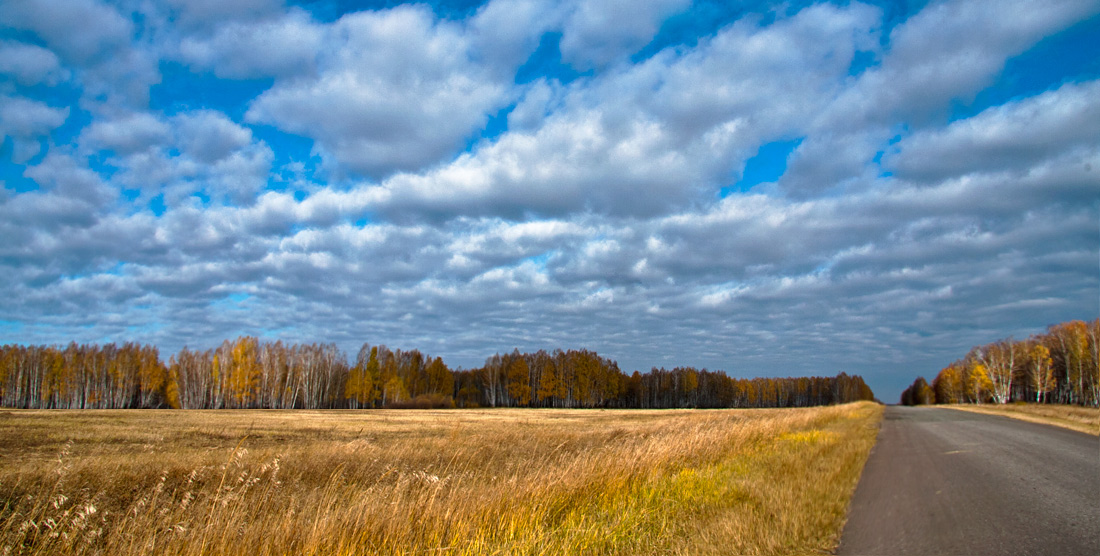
[944, 482]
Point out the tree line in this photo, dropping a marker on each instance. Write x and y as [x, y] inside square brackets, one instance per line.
[1061, 366]
[250, 373]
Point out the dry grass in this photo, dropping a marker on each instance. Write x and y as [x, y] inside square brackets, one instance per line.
[430, 482]
[1075, 417]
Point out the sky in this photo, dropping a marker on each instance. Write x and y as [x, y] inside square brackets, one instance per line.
[765, 188]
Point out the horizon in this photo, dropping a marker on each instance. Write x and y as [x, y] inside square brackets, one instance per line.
[769, 189]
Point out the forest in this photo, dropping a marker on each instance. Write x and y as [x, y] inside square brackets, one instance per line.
[1061, 366]
[251, 373]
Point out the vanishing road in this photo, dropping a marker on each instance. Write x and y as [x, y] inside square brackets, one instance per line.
[941, 481]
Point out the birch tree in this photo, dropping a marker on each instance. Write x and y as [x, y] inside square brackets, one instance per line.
[999, 359]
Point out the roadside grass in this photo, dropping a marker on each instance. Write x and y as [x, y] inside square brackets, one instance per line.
[426, 482]
[1075, 417]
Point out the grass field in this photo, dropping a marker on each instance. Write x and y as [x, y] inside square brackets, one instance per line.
[1083, 419]
[430, 482]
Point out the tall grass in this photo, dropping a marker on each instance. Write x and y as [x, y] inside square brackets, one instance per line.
[430, 482]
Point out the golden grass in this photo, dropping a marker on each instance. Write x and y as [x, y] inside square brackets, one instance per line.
[1075, 417]
[430, 482]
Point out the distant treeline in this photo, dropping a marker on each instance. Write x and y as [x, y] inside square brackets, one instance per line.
[1061, 366]
[249, 373]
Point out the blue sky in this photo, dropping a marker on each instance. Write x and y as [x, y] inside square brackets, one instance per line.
[765, 188]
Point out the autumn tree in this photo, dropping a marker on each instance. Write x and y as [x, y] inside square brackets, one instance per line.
[248, 372]
[1061, 366]
[440, 379]
[519, 381]
[243, 373]
[551, 386]
[918, 393]
[364, 379]
[1040, 371]
[999, 360]
[949, 385]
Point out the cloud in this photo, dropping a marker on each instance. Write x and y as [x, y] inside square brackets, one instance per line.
[594, 145]
[127, 134]
[209, 136]
[28, 64]
[952, 50]
[97, 44]
[396, 90]
[945, 53]
[80, 30]
[65, 175]
[26, 122]
[200, 151]
[504, 33]
[277, 47]
[212, 12]
[597, 34]
[1014, 136]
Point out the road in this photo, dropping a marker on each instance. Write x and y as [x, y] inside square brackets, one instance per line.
[944, 482]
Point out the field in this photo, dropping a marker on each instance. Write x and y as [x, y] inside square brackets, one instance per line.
[430, 482]
[1075, 417]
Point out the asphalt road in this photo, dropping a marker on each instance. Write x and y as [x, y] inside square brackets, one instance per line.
[944, 482]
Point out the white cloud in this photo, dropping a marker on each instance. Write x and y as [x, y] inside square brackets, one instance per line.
[212, 12]
[96, 43]
[396, 90]
[674, 127]
[195, 151]
[66, 175]
[568, 165]
[947, 52]
[209, 136]
[30, 65]
[285, 46]
[953, 49]
[597, 34]
[504, 33]
[26, 122]
[1017, 135]
[128, 134]
[78, 29]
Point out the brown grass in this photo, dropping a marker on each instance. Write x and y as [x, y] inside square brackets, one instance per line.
[429, 482]
[1075, 417]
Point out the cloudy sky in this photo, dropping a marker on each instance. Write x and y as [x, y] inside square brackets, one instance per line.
[767, 188]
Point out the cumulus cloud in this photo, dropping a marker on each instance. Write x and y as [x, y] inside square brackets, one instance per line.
[675, 127]
[210, 136]
[278, 47]
[128, 133]
[80, 30]
[28, 64]
[1014, 136]
[945, 53]
[599, 33]
[96, 42]
[395, 90]
[952, 50]
[504, 33]
[200, 151]
[26, 123]
[208, 12]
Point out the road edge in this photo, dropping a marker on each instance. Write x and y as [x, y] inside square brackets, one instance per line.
[1038, 419]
